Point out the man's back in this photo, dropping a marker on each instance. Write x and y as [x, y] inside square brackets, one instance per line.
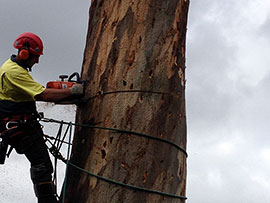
[17, 88]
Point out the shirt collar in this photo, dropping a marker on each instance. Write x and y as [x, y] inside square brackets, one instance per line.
[13, 58]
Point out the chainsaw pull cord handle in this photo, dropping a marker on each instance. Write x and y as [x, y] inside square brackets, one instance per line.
[72, 76]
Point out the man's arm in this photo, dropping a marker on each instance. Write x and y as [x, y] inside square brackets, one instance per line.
[54, 95]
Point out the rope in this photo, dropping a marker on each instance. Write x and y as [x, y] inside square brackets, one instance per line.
[59, 143]
[56, 150]
[101, 93]
[128, 185]
[53, 138]
[68, 163]
[119, 131]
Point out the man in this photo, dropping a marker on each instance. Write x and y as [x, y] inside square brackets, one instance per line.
[19, 126]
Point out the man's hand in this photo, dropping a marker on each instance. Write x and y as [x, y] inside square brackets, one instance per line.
[77, 90]
[55, 95]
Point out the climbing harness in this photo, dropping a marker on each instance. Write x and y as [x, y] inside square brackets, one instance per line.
[7, 136]
[12, 129]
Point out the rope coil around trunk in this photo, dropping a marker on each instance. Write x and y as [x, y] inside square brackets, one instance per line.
[118, 131]
[68, 163]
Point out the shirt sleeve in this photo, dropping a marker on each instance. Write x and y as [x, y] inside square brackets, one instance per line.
[25, 84]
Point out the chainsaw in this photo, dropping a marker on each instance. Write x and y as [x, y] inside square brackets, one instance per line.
[63, 83]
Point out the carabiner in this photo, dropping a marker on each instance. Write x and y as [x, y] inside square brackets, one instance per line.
[12, 123]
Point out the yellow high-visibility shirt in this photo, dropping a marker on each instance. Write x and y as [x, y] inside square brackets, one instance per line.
[16, 84]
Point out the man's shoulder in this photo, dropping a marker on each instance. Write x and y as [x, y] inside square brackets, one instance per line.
[6, 64]
[11, 68]
[9, 65]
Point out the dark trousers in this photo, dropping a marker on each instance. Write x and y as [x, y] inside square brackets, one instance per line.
[30, 142]
[37, 154]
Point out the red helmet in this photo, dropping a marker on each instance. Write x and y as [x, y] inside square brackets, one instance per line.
[36, 46]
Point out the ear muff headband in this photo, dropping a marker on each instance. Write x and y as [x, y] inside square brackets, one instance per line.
[24, 54]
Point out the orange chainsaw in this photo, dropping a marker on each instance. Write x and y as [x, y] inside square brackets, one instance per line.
[62, 84]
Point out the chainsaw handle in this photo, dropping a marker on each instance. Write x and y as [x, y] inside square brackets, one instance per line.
[63, 77]
[72, 76]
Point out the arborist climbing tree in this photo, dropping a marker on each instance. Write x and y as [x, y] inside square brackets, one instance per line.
[19, 126]
[134, 65]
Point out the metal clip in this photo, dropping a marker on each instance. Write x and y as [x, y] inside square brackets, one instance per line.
[40, 115]
[12, 123]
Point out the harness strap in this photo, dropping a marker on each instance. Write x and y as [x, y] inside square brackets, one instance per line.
[10, 130]
[22, 117]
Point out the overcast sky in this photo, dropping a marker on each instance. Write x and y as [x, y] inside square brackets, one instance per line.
[228, 101]
[227, 95]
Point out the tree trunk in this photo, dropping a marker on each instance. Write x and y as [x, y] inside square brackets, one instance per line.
[134, 65]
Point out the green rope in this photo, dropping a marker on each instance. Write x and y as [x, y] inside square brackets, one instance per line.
[127, 185]
[120, 131]
[67, 162]
[101, 93]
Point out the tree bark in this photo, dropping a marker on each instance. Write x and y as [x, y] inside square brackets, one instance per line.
[134, 65]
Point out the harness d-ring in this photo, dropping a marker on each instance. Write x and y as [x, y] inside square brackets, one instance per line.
[11, 123]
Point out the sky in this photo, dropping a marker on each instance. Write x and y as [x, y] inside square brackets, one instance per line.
[228, 101]
[227, 98]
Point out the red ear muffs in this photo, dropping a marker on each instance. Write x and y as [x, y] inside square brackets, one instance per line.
[24, 54]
